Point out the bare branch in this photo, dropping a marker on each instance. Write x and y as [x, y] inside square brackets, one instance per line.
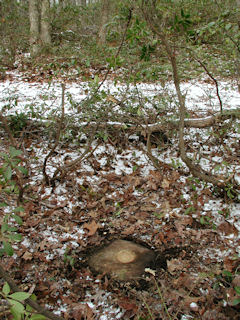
[60, 127]
[214, 80]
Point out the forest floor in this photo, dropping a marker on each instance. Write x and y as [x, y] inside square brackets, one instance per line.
[117, 193]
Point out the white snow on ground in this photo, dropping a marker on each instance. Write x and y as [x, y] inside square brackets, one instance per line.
[200, 96]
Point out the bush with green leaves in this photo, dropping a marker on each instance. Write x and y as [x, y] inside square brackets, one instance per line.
[17, 303]
[9, 233]
[11, 164]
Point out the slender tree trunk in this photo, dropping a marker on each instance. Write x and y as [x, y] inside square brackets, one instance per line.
[34, 27]
[104, 18]
[45, 25]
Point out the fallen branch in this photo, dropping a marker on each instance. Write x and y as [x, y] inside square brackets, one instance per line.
[164, 125]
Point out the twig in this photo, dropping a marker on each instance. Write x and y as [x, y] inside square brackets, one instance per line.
[72, 165]
[214, 80]
[61, 120]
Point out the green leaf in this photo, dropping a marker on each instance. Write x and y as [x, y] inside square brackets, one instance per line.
[14, 152]
[134, 168]
[3, 205]
[228, 26]
[33, 297]
[12, 229]
[17, 219]
[16, 314]
[8, 173]
[37, 317]
[227, 273]
[237, 289]
[6, 289]
[20, 296]
[19, 209]
[211, 24]
[16, 306]
[29, 308]
[8, 248]
[4, 227]
[15, 237]
[139, 112]
[236, 301]
[23, 170]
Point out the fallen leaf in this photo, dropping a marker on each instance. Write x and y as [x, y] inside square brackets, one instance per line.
[174, 265]
[83, 311]
[27, 256]
[91, 227]
[165, 184]
[227, 228]
[127, 305]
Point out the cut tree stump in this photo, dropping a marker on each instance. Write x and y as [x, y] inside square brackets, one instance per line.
[123, 260]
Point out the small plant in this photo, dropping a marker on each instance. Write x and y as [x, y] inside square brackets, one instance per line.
[11, 173]
[205, 220]
[237, 300]
[228, 278]
[17, 122]
[9, 232]
[17, 306]
[11, 185]
[68, 259]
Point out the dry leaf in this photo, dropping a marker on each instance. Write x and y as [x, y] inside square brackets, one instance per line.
[175, 265]
[227, 228]
[91, 227]
[27, 256]
[165, 183]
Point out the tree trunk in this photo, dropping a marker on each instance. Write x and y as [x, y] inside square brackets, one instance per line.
[34, 27]
[45, 25]
[104, 18]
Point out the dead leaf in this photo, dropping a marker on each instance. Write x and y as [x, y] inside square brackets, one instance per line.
[228, 228]
[130, 230]
[165, 183]
[127, 305]
[91, 227]
[181, 224]
[231, 264]
[236, 281]
[27, 256]
[174, 265]
[83, 311]
[185, 281]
